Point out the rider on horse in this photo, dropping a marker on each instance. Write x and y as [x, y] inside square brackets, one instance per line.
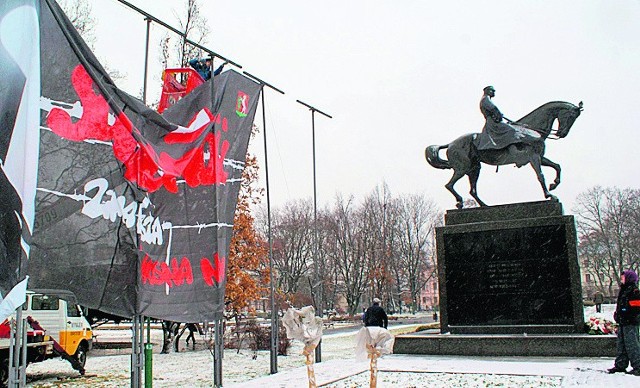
[497, 134]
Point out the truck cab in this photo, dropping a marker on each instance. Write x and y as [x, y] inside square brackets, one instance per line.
[59, 329]
[62, 320]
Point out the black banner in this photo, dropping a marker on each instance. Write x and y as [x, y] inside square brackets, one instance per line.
[134, 210]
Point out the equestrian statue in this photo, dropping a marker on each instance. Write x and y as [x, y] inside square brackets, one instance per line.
[517, 142]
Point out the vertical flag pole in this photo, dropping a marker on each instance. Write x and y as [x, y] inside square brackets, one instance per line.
[218, 346]
[213, 89]
[146, 62]
[148, 347]
[23, 364]
[317, 282]
[274, 308]
[135, 383]
[142, 359]
[16, 369]
[11, 369]
[137, 355]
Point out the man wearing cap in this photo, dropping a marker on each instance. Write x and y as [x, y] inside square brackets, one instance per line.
[375, 315]
[497, 134]
[628, 317]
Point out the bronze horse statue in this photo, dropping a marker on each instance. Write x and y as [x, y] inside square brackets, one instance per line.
[464, 158]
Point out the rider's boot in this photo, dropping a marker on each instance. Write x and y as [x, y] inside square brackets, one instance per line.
[518, 155]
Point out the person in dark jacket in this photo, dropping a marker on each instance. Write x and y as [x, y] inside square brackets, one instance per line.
[203, 67]
[598, 299]
[375, 315]
[193, 328]
[627, 315]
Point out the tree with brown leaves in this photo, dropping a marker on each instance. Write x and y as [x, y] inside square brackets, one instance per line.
[247, 266]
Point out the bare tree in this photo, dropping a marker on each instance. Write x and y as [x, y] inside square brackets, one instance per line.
[373, 213]
[79, 13]
[349, 253]
[608, 234]
[398, 287]
[328, 275]
[176, 51]
[195, 27]
[419, 218]
[382, 247]
[292, 235]
[165, 50]
[385, 274]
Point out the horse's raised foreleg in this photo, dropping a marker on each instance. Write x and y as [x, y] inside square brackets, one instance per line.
[473, 183]
[456, 176]
[555, 166]
[536, 164]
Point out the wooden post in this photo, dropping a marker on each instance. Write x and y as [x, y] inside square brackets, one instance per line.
[309, 351]
[373, 367]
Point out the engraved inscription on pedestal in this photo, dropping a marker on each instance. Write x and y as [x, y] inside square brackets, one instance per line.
[503, 277]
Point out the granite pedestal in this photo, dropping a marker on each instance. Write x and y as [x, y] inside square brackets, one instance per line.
[508, 275]
[508, 345]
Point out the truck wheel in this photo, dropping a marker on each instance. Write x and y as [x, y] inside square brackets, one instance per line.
[81, 354]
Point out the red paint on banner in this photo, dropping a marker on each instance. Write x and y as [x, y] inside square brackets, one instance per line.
[159, 273]
[215, 271]
[208, 172]
[199, 165]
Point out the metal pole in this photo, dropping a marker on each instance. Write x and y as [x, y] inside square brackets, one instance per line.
[13, 350]
[148, 347]
[141, 350]
[11, 369]
[274, 309]
[137, 362]
[17, 343]
[213, 90]
[146, 62]
[273, 353]
[316, 281]
[384, 240]
[134, 343]
[23, 364]
[218, 348]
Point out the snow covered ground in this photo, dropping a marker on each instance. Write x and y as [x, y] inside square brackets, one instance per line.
[338, 368]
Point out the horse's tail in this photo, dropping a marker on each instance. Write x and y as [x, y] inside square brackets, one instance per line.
[431, 153]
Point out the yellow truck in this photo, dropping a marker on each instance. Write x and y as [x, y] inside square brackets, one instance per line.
[57, 329]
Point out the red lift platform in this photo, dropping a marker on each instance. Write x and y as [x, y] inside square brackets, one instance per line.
[177, 83]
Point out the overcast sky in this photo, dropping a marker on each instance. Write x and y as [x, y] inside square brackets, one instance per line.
[398, 76]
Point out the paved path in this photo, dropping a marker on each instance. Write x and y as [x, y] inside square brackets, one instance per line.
[584, 372]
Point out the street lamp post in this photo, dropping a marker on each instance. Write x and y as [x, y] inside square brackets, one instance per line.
[274, 310]
[316, 281]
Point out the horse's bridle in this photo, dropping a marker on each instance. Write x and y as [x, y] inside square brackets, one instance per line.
[540, 131]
